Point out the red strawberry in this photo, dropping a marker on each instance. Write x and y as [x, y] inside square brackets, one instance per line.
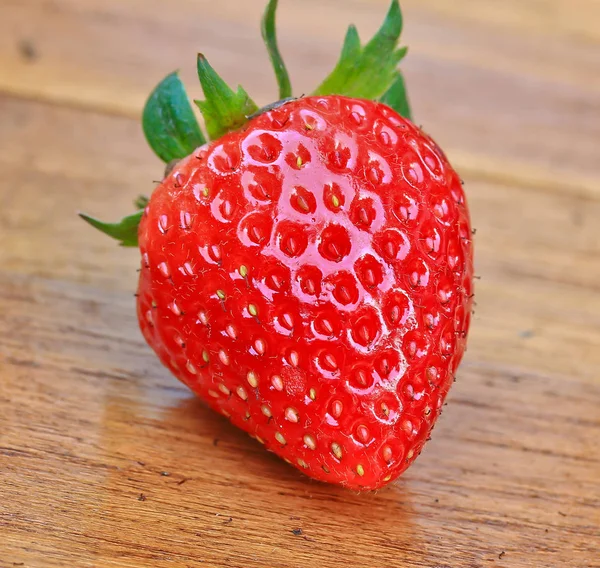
[309, 273]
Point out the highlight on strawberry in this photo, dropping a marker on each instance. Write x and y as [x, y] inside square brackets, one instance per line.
[307, 267]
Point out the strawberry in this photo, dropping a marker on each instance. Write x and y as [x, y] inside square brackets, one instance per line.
[308, 273]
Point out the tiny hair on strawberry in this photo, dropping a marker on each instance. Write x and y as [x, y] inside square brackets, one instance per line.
[307, 266]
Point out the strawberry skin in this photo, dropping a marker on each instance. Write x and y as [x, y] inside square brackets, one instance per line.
[310, 278]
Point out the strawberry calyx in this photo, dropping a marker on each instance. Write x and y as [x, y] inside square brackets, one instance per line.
[168, 121]
[370, 72]
[224, 110]
[125, 231]
[173, 132]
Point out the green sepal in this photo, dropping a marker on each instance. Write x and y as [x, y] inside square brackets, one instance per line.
[223, 110]
[141, 201]
[269, 35]
[397, 98]
[125, 231]
[351, 48]
[367, 72]
[169, 122]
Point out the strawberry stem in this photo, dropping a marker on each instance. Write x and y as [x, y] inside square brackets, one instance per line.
[269, 35]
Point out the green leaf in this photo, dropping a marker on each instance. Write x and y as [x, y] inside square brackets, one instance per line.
[270, 38]
[125, 231]
[397, 98]
[367, 72]
[169, 122]
[224, 110]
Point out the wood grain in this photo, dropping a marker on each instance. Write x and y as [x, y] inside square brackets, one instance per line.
[105, 460]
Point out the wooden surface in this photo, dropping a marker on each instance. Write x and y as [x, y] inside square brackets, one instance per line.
[106, 460]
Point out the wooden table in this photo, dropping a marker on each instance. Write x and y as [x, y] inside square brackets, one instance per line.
[106, 460]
